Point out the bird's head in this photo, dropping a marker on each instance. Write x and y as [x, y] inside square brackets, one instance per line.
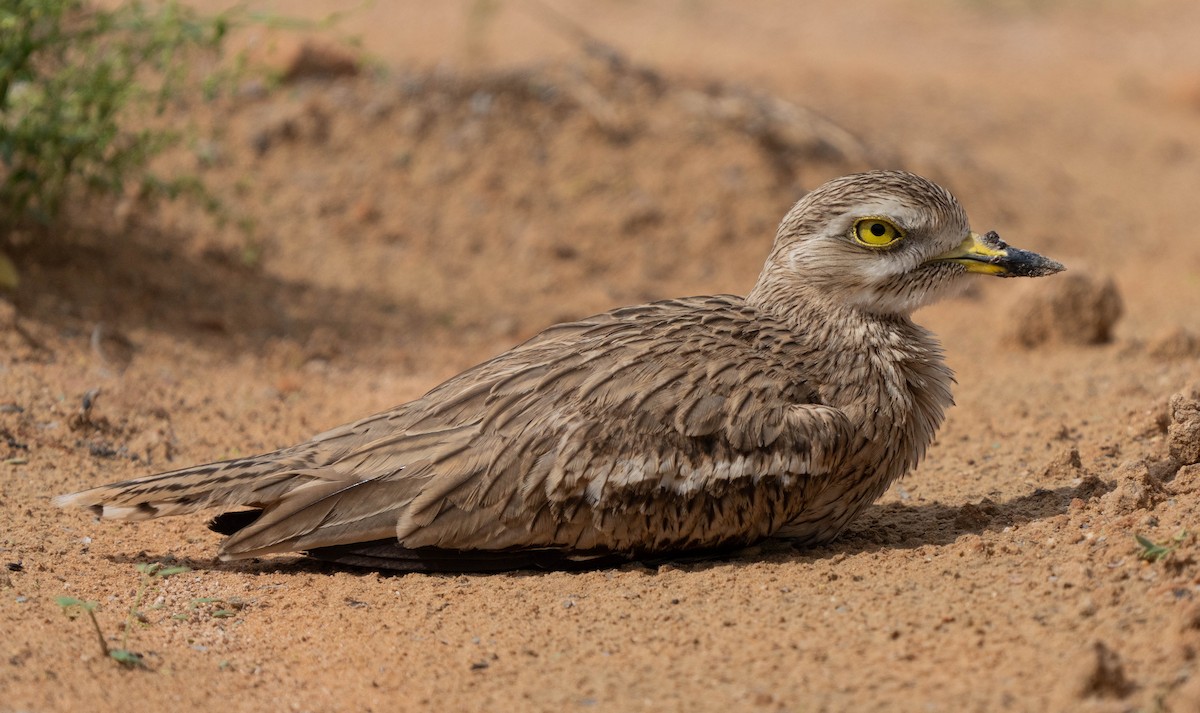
[886, 242]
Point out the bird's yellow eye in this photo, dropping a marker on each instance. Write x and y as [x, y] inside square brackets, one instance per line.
[876, 232]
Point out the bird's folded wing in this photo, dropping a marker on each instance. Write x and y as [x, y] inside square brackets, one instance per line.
[561, 441]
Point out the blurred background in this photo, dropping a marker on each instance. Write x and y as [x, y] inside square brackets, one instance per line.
[474, 170]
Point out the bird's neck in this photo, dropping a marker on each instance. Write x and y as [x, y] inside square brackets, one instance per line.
[883, 371]
[837, 328]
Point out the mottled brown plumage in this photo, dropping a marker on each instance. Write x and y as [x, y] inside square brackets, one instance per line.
[685, 425]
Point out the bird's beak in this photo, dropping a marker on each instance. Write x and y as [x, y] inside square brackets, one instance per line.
[989, 255]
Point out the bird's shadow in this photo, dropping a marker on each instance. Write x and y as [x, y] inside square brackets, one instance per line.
[893, 526]
[900, 526]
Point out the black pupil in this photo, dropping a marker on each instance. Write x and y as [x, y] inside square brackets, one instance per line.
[878, 229]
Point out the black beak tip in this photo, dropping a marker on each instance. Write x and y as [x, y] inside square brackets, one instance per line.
[1022, 263]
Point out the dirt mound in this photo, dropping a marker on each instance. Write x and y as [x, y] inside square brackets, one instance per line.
[469, 184]
[1074, 308]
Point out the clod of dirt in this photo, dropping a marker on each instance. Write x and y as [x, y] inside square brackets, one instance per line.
[1174, 345]
[319, 61]
[1136, 489]
[1186, 480]
[1067, 465]
[1074, 308]
[974, 518]
[1090, 487]
[1103, 675]
[1183, 434]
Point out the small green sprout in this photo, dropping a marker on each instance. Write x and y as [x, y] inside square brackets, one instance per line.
[151, 572]
[123, 656]
[1152, 552]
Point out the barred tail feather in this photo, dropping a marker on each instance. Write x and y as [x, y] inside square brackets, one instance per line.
[254, 481]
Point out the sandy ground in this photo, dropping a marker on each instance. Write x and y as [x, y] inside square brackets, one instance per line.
[485, 179]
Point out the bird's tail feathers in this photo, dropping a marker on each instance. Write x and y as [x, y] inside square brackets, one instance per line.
[253, 481]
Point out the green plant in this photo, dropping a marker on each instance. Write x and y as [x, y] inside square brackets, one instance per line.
[1151, 552]
[123, 656]
[151, 574]
[75, 81]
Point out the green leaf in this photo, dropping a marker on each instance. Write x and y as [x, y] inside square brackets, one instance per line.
[69, 602]
[1150, 551]
[128, 658]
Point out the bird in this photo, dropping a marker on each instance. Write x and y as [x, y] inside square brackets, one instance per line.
[677, 428]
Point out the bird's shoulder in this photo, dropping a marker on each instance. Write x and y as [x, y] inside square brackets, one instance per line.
[671, 363]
